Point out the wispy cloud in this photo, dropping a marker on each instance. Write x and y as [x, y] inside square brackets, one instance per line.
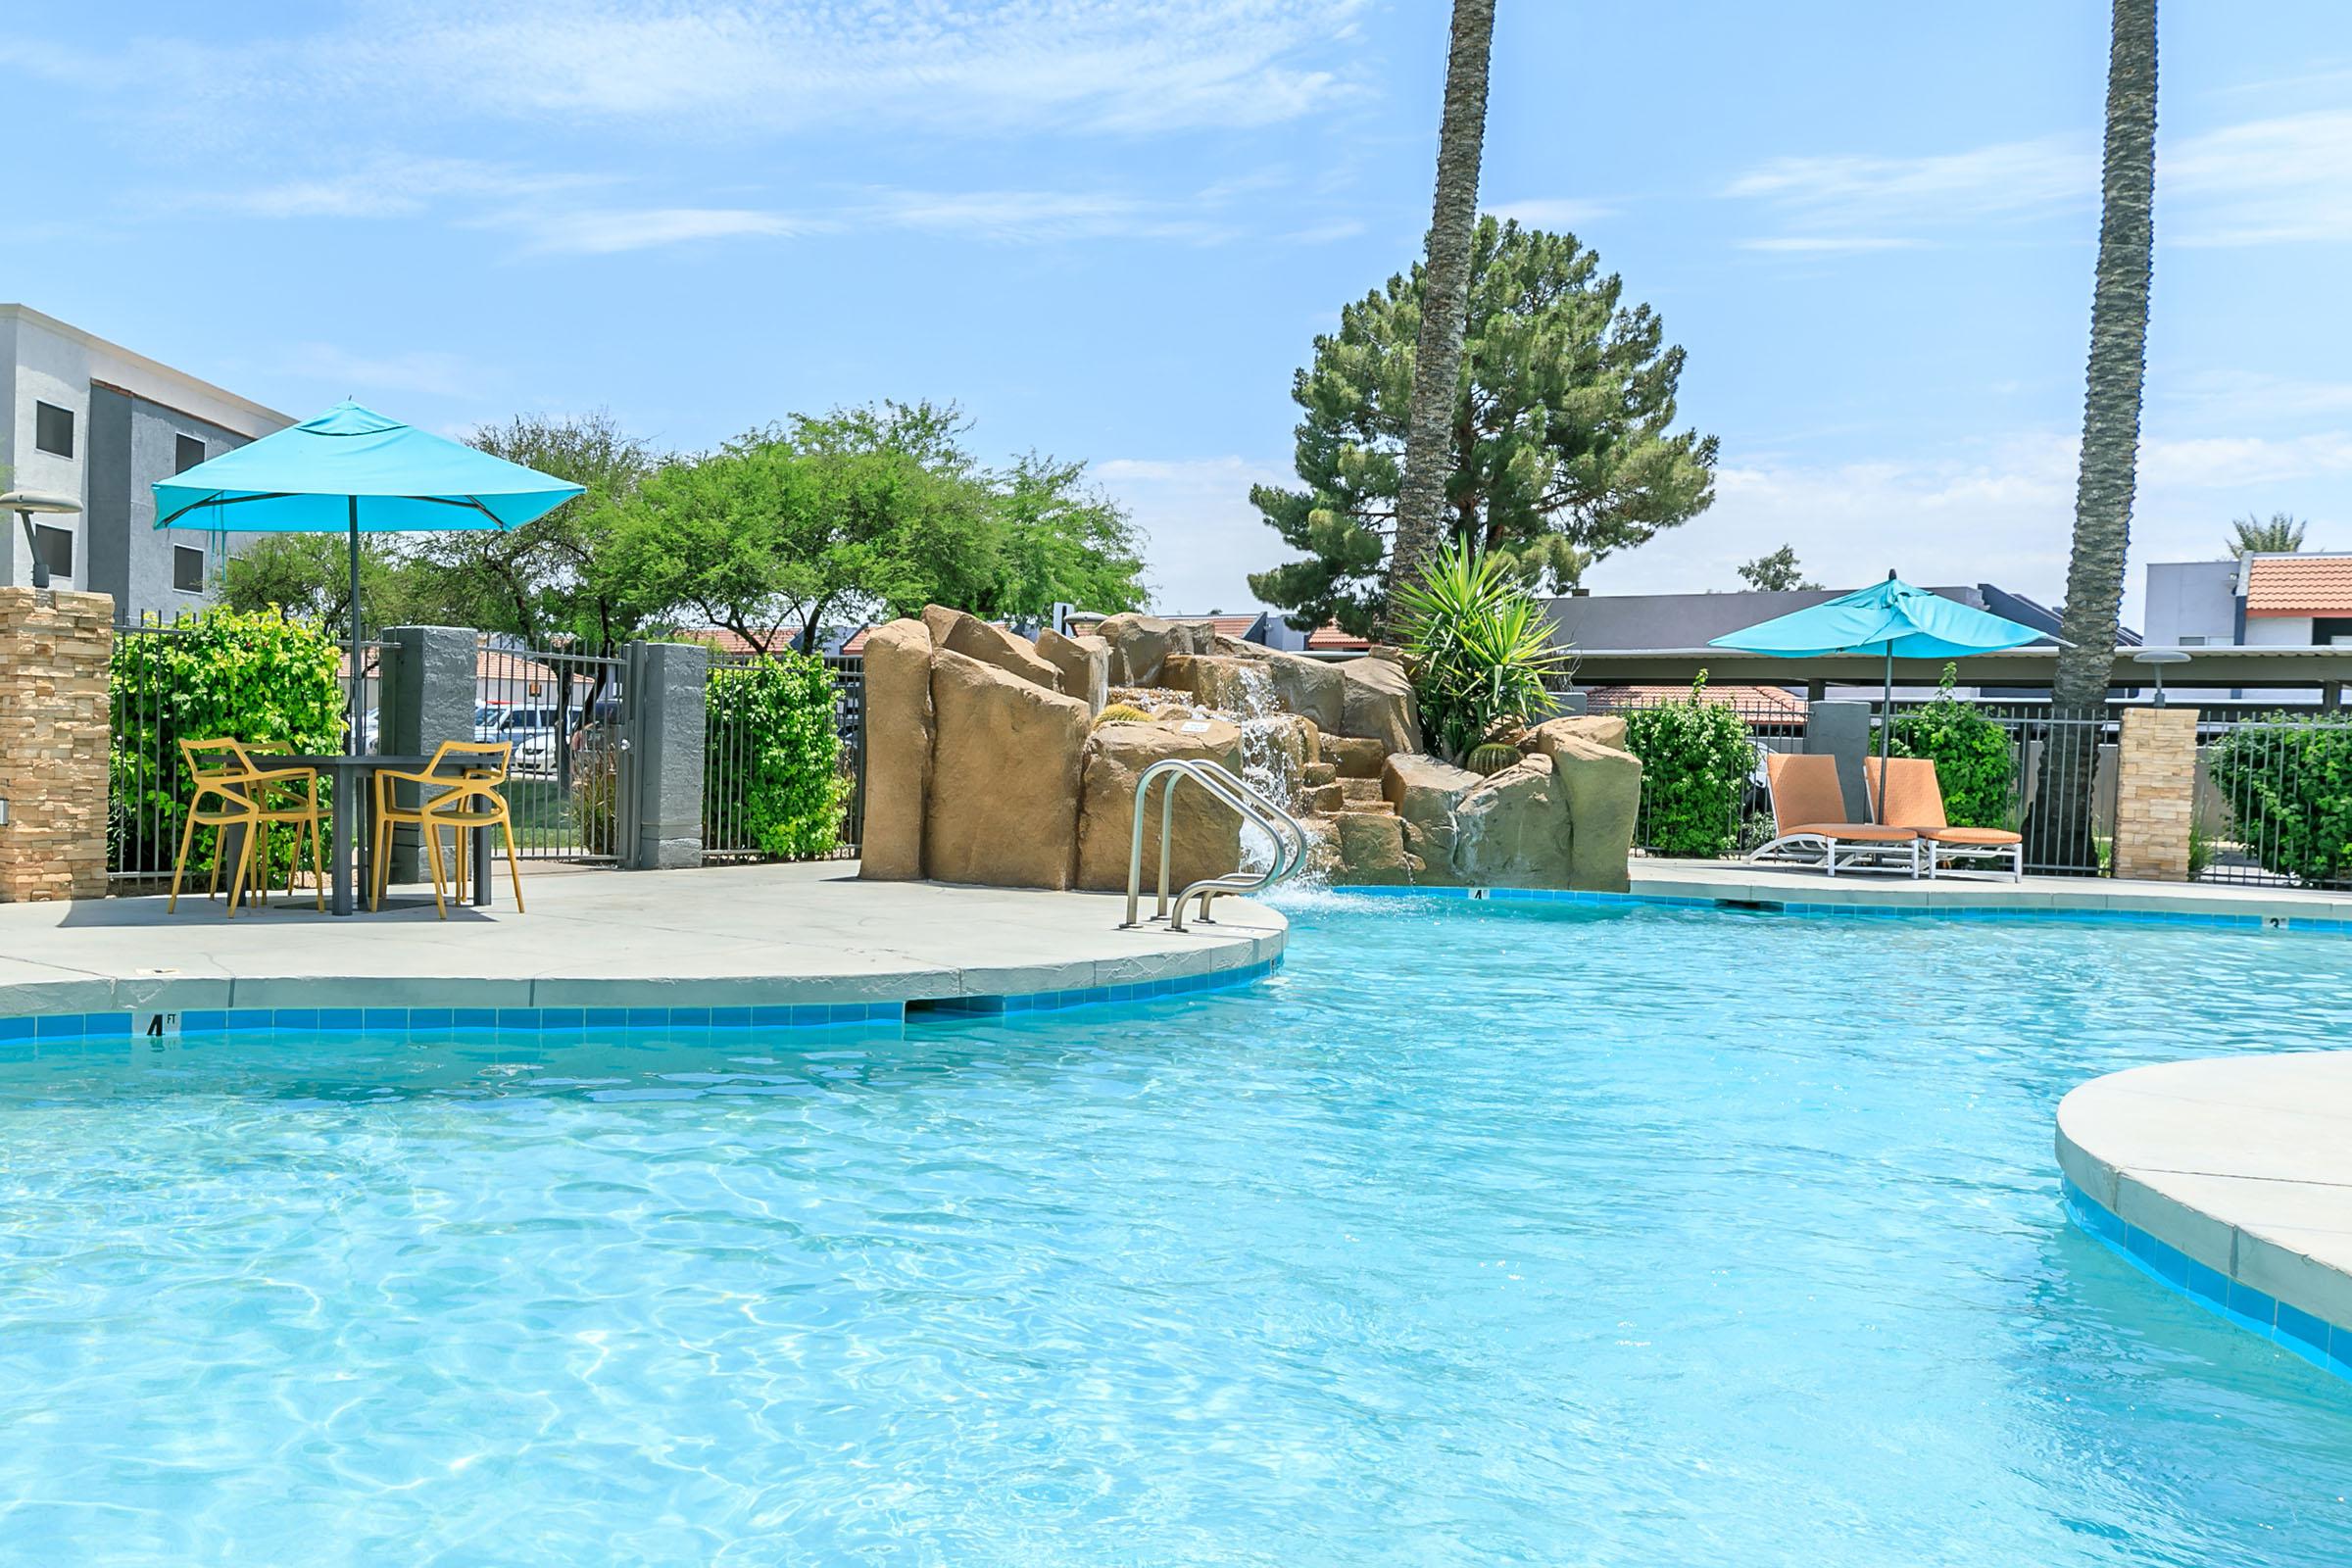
[609, 232]
[722, 67]
[1551, 211]
[387, 185]
[2000, 510]
[346, 374]
[2267, 182]
[1828, 198]
[1827, 244]
[1205, 537]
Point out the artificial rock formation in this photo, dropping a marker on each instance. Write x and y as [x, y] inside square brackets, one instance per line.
[1206, 840]
[974, 638]
[898, 749]
[1376, 701]
[1006, 763]
[984, 764]
[1082, 663]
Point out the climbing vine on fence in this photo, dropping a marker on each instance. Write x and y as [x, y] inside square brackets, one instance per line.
[255, 678]
[1696, 761]
[772, 783]
[1975, 764]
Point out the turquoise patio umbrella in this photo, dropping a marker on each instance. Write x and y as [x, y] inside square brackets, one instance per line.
[1890, 618]
[352, 470]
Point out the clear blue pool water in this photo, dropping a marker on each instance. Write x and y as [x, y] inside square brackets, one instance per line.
[1479, 1236]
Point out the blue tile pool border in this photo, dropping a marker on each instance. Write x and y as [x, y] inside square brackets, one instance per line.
[1971, 910]
[51, 1028]
[2324, 1345]
[1092, 996]
[36, 1028]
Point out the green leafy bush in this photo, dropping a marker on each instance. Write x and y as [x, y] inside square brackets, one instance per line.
[1696, 761]
[255, 678]
[772, 783]
[1478, 646]
[1975, 764]
[2288, 783]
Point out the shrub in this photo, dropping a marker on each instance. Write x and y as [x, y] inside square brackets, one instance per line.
[255, 678]
[1976, 766]
[2288, 783]
[1696, 761]
[772, 781]
[596, 795]
[1479, 649]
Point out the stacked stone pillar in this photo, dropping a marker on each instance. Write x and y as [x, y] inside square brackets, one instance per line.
[2155, 793]
[54, 732]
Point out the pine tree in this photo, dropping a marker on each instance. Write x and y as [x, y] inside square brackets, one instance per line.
[1561, 446]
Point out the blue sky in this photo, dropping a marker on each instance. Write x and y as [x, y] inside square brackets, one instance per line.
[1110, 228]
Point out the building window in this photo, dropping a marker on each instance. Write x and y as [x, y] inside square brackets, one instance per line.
[54, 547]
[187, 570]
[53, 428]
[2193, 642]
[2330, 631]
[187, 451]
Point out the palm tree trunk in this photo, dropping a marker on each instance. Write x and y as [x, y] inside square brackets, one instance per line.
[2061, 833]
[1445, 296]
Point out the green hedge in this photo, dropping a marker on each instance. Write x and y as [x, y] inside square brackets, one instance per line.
[1696, 761]
[772, 783]
[1975, 764]
[254, 678]
[2288, 783]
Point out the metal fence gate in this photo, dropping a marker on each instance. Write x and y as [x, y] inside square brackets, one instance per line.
[727, 758]
[563, 715]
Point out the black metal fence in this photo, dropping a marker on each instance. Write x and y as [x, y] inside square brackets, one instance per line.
[156, 701]
[1776, 722]
[2273, 798]
[731, 750]
[560, 714]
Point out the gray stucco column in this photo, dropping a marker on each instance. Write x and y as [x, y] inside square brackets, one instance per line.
[425, 695]
[665, 692]
[1843, 730]
[1571, 705]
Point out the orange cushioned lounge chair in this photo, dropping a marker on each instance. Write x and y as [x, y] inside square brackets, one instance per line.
[1808, 810]
[1913, 798]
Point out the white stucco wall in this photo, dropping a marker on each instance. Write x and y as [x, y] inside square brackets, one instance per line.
[2191, 599]
[49, 361]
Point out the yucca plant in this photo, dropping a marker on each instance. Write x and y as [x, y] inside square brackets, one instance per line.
[1479, 648]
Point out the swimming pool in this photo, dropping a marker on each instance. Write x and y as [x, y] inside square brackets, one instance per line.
[1482, 1233]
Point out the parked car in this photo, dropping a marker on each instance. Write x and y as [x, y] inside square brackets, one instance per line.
[529, 730]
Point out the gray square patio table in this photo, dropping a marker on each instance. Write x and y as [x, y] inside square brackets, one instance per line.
[351, 776]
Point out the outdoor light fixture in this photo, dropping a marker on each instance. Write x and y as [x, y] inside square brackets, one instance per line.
[2156, 658]
[24, 502]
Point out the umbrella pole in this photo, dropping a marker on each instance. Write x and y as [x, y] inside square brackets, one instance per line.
[1877, 803]
[359, 675]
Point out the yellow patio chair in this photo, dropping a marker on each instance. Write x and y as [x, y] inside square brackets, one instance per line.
[456, 790]
[250, 798]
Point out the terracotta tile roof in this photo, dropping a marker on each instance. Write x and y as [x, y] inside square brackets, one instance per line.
[2300, 585]
[1758, 705]
[724, 641]
[1328, 638]
[856, 646]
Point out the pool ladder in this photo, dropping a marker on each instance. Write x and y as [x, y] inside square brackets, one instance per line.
[1290, 838]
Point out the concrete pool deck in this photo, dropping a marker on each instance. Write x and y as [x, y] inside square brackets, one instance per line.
[2230, 1180]
[1802, 887]
[773, 936]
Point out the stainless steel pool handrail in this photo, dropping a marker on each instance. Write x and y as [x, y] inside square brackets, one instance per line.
[1289, 836]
